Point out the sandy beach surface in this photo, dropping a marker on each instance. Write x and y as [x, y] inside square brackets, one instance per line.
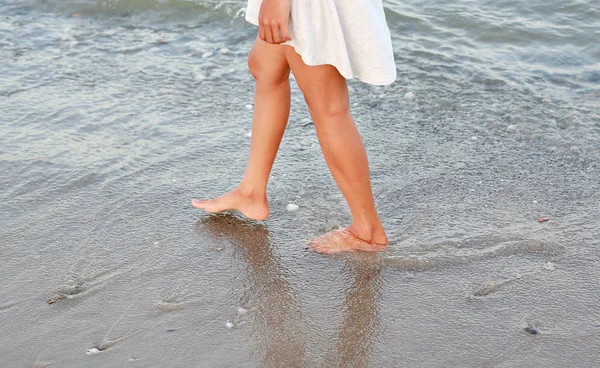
[485, 158]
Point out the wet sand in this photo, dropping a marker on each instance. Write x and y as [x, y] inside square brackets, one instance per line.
[161, 290]
[112, 120]
[225, 292]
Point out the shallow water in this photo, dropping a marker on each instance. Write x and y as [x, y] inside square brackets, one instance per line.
[114, 114]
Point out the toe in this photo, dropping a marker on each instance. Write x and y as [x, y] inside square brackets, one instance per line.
[322, 249]
[379, 247]
[313, 244]
[199, 203]
[316, 245]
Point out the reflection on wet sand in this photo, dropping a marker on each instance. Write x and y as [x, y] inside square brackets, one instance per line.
[282, 333]
[361, 324]
[277, 322]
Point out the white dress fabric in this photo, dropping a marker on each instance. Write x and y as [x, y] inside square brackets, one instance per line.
[351, 35]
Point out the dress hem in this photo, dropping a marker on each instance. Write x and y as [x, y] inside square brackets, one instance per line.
[252, 18]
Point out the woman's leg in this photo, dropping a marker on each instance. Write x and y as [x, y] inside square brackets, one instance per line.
[271, 71]
[326, 95]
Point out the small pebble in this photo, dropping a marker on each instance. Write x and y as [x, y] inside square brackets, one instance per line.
[543, 219]
[55, 299]
[207, 55]
[241, 311]
[410, 96]
[69, 296]
[229, 325]
[532, 330]
[291, 207]
[550, 266]
[92, 351]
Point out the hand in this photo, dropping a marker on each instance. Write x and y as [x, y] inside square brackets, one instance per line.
[273, 21]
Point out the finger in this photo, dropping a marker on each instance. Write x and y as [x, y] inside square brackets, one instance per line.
[276, 36]
[285, 34]
[269, 34]
[261, 31]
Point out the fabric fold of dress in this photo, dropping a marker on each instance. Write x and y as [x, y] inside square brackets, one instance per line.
[351, 35]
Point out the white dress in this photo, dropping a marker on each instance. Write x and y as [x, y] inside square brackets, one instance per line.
[351, 35]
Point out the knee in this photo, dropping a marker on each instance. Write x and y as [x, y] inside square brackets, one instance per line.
[327, 108]
[268, 70]
[254, 64]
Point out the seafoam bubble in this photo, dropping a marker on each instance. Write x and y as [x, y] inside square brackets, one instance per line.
[410, 96]
[511, 128]
[92, 351]
[241, 311]
[207, 55]
[224, 50]
[249, 107]
[229, 325]
[248, 134]
[199, 76]
[291, 207]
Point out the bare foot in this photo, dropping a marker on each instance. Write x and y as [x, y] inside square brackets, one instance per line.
[250, 206]
[343, 240]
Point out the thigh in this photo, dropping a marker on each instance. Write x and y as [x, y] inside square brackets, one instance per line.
[324, 88]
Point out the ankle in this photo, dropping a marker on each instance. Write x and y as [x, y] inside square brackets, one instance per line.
[369, 232]
[251, 192]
